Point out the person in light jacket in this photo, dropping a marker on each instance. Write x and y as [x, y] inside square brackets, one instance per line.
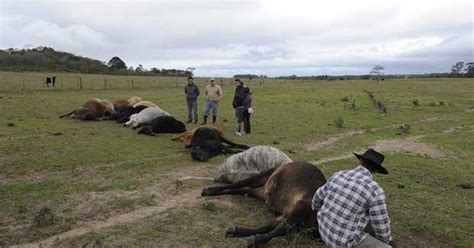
[213, 94]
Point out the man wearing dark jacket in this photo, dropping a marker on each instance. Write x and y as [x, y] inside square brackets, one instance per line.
[192, 92]
[238, 104]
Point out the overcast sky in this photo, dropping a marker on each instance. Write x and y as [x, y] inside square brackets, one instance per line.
[272, 37]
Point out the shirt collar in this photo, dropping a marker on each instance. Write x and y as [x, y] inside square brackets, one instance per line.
[363, 170]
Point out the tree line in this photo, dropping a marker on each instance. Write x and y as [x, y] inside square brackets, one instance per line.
[46, 59]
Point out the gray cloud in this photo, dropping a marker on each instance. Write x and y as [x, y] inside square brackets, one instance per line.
[263, 37]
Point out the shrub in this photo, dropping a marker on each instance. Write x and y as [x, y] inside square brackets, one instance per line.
[44, 217]
[339, 122]
[345, 99]
[441, 103]
[416, 102]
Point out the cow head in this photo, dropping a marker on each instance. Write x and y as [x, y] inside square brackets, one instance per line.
[200, 154]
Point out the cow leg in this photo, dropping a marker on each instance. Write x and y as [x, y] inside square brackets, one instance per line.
[239, 191]
[228, 150]
[235, 231]
[137, 126]
[252, 182]
[301, 211]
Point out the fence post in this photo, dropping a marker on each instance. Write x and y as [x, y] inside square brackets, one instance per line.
[80, 83]
[24, 87]
[132, 83]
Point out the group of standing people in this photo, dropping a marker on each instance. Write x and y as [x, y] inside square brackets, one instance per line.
[242, 103]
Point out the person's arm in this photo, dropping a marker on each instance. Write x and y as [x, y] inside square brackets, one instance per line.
[197, 91]
[318, 197]
[185, 90]
[379, 220]
[221, 94]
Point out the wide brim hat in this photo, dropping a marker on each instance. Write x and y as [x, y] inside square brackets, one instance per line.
[375, 158]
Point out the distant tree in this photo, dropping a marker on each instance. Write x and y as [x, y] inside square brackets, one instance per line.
[139, 68]
[155, 70]
[456, 69]
[116, 63]
[190, 69]
[469, 70]
[377, 71]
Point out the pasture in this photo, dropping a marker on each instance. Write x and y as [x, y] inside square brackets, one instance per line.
[68, 183]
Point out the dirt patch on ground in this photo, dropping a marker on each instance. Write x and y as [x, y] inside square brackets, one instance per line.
[97, 210]
[450, 130]
[331, 142]
[409, 145]
[189, 197]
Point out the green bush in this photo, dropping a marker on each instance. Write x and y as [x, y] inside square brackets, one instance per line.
[339, 122]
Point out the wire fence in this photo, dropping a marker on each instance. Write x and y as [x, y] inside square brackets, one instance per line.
[14, 81]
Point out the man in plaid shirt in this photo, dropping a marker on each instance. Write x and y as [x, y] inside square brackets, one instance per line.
[352, 201]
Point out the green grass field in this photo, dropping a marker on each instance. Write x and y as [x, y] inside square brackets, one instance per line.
[104, 185]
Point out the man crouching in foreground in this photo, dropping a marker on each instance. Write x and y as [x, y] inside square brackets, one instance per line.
[352, 201]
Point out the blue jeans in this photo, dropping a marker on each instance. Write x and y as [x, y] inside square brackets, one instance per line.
[192, 109]
[211, 105]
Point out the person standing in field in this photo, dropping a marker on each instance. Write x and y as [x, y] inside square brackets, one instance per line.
[238, 104]
[192, 92]
[213, 94]
[248, 110]
[351, 207]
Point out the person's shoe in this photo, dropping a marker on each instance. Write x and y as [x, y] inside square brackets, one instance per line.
[204, 120]
[238, 134]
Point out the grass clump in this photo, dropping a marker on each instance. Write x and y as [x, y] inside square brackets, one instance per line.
[416, 102]
[339, 122]
[345, 99]
[209, 206]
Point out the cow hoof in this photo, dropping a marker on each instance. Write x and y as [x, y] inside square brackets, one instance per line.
[251, 241]
[231, 232]
[205, 192]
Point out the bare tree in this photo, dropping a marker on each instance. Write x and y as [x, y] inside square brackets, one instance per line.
[377, 71]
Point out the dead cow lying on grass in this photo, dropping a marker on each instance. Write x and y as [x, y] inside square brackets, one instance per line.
[249, 163]
[163, 124]
[123, 113]
[92, 110]
[187, 137]
[288, 190]
[208, 143]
